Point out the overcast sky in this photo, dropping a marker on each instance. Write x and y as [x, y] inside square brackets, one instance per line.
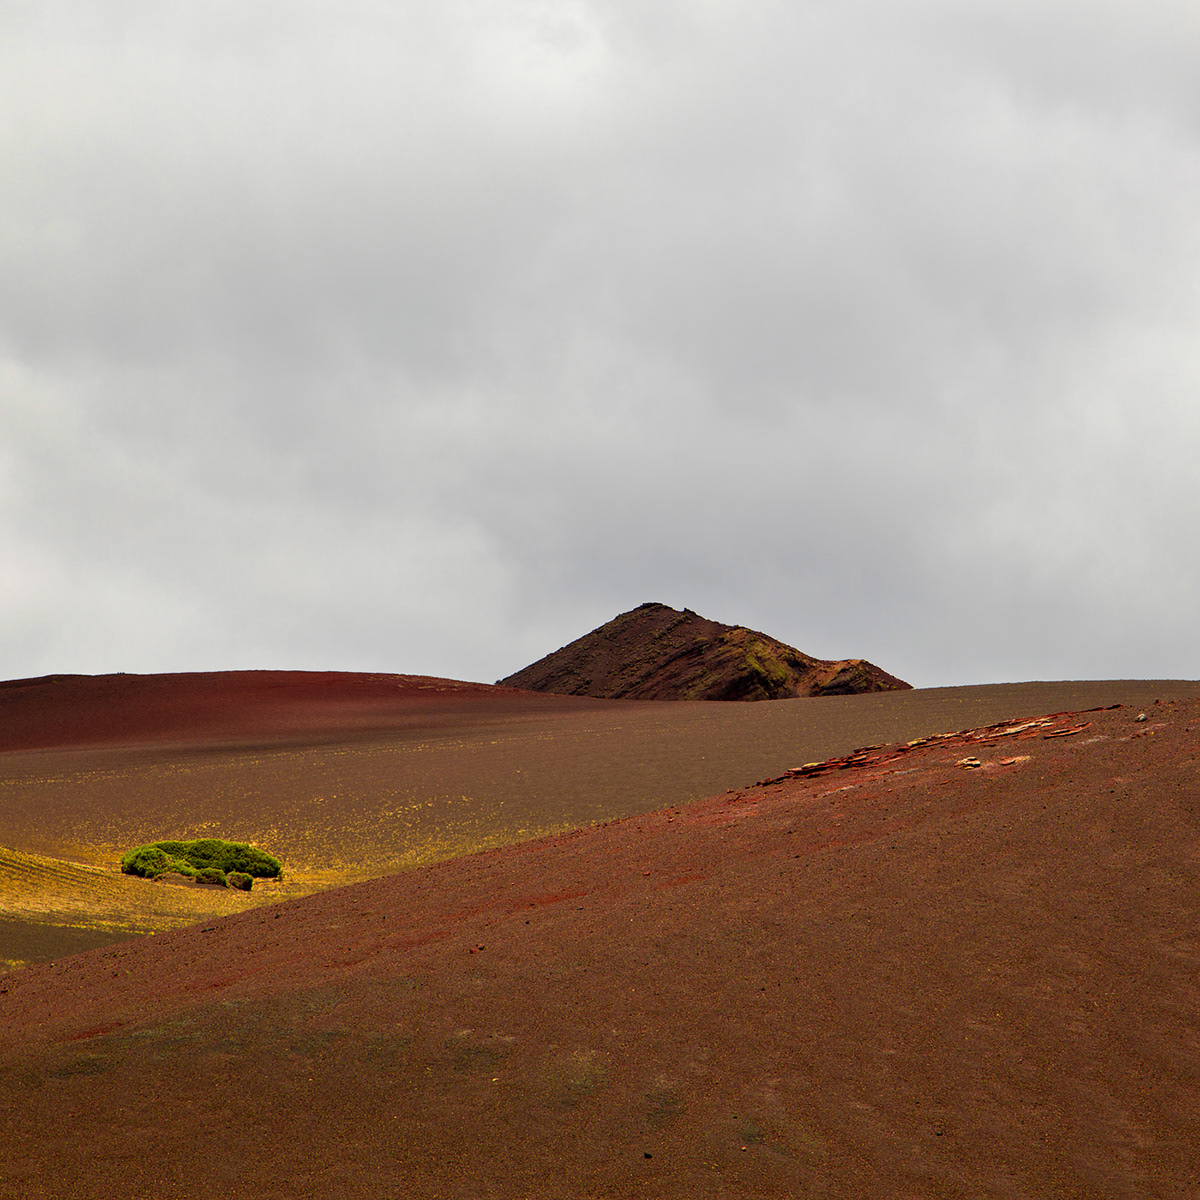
[425, 337]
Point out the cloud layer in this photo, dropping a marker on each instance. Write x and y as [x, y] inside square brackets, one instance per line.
[427, 337]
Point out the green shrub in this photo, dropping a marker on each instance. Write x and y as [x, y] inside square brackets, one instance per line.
[152, 861]
[211, 875]
[239, 879]
[189, 858]
[146, 861]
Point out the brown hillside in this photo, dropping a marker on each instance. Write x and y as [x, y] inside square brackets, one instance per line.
[962, 968]
[425, 772]
[216, 706]
[658, 653]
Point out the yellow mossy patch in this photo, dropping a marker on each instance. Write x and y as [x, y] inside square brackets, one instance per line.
[35, 887]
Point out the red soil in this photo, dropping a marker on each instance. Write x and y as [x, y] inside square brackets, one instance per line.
[901, 976]
[443, 771]
[96, 710]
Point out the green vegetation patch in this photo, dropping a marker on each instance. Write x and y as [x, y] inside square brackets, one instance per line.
[211, 860]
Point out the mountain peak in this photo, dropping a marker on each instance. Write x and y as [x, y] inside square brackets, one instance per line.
[655, 652]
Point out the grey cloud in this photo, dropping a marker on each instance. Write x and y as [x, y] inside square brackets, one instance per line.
[426, 337]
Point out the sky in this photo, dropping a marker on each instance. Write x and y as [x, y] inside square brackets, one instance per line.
[426, 337]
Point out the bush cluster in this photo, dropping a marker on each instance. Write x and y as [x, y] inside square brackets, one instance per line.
[208, 860]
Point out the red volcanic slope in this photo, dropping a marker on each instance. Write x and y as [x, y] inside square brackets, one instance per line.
[963, 968]
[78, 710]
